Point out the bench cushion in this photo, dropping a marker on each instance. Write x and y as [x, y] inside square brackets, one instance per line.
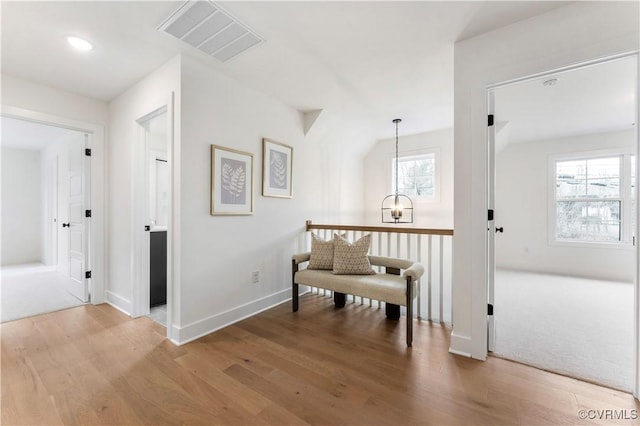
[385, 287]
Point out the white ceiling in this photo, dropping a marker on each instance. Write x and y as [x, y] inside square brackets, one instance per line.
[591, 99]
[368, 62]
[22, 134]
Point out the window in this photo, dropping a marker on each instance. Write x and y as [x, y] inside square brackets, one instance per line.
[594, 199]
[416, 175]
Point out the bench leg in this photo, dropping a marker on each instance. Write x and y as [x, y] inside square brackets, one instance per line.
[294, 298]
[409, 312]
[392, 311]
[340, 299]
[294, 287]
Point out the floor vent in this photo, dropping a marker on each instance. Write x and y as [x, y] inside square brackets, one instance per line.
[205, 26]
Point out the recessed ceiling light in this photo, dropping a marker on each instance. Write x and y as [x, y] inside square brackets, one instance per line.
[80, 43]
[550, 82]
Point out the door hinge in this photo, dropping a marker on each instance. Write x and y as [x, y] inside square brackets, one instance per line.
[87, 274]
[490, 120]
[87, 152]
[490, 214]
[87, 213]
[489, 309]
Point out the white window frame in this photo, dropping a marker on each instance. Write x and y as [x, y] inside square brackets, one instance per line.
[626, 241]
[413, 155]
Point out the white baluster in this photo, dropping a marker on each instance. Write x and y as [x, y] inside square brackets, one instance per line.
[441, 279]
[419, 257]
[429, 268]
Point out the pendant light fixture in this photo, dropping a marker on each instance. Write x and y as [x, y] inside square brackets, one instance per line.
[397, 208]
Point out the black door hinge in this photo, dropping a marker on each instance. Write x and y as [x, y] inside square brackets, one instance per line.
[490, 214]
[87, 152]
[489, 309]
[87, 274]
[87, 213]
[490, 120]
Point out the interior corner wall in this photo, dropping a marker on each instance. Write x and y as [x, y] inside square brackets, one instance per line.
[522, 208]
[578, 32]
[139, 100]
[219, 253]
[378, 173]
[21, 206]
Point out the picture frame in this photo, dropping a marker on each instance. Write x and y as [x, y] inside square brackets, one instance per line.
[277, 169]
[231, 181]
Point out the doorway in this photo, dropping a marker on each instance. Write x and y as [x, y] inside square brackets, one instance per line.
[152, 198]
[563, 235]
[45, 236]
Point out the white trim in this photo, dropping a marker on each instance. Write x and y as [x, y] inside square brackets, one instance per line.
[200, 328]
[119, 302]
[636, 299]
[99, 217]
[562, 70]
[460, 345]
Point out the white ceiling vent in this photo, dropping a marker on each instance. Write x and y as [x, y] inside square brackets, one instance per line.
[204, 25]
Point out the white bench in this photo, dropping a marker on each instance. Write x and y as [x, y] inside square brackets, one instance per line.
[396, 286]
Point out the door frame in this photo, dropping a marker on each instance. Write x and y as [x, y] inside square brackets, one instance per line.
[97, 223]
[140, 258]
[490, 257]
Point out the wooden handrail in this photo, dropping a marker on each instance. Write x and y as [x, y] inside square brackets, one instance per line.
[423, 231]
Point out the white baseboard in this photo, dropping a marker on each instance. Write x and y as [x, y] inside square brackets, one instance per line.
[118, 302]
[197, 329]
[460, 345]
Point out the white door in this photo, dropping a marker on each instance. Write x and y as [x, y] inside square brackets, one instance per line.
[79, 217]
[491, 228]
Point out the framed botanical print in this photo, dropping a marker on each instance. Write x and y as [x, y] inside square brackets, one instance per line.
[277, 168]
[231, 181]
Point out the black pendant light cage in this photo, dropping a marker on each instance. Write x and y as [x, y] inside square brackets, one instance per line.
[397, 208]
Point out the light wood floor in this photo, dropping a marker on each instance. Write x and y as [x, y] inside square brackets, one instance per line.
[94, 365]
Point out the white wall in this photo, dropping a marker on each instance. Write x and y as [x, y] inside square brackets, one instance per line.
[21, 206]
[218, 253]
[572, 34]
[21, 93]
[522, 188]
[437, 213]
[143, 98]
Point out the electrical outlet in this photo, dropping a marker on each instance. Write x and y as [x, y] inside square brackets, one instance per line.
[255, 277]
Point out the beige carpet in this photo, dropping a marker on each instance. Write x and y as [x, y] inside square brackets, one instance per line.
[573, 326]
[33, 289]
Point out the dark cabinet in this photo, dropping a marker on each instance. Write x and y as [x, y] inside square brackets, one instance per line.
[158, 266]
